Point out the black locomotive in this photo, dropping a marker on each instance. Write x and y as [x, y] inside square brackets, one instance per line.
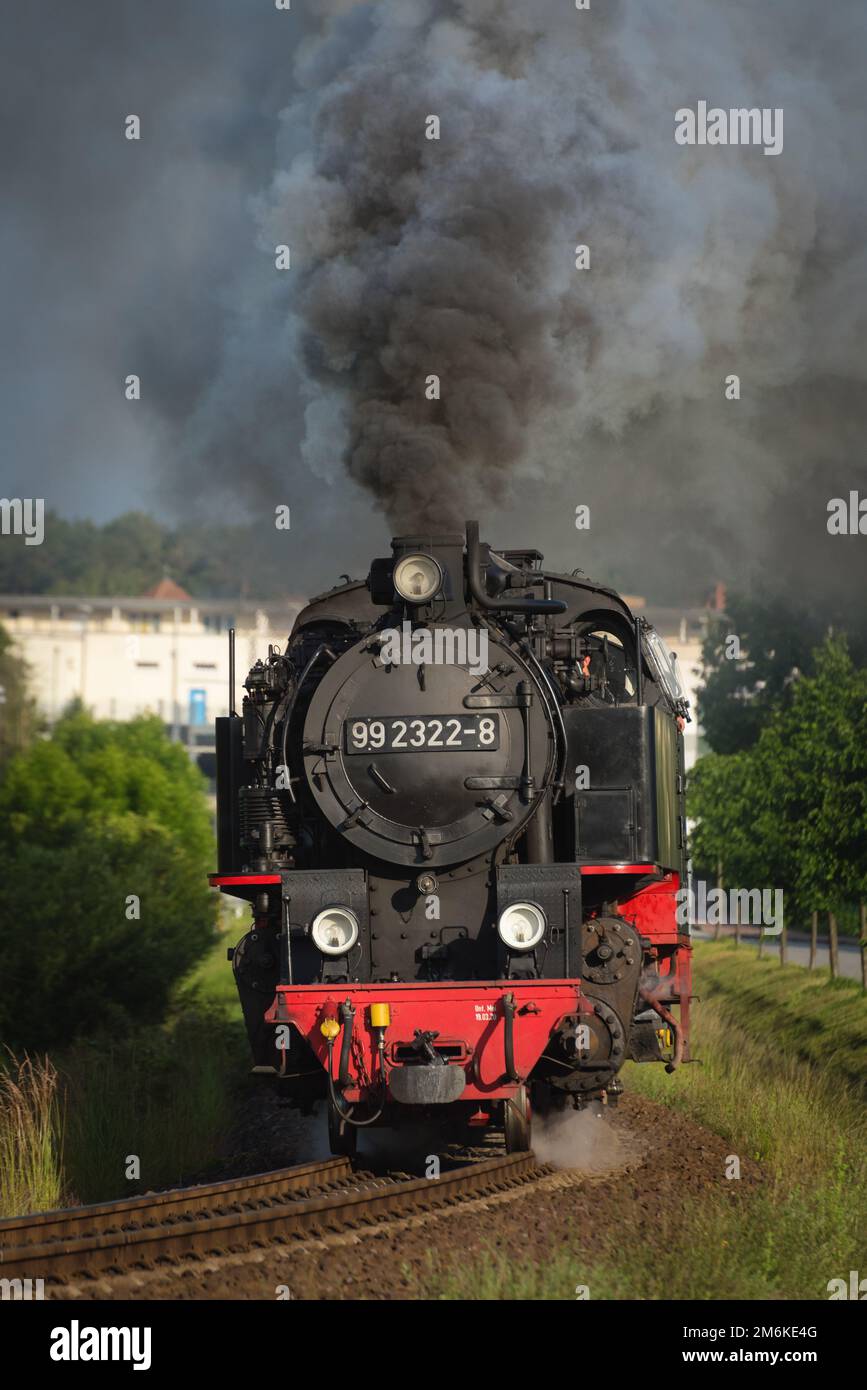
[454, 803]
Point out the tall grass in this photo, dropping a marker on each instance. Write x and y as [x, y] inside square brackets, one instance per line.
[31, 1168]
[164, 1097]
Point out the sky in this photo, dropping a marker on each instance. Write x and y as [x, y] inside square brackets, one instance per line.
[560, 387]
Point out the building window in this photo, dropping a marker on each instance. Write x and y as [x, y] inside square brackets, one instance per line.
[217, 622]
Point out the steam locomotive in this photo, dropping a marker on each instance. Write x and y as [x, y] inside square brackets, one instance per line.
[455, 805]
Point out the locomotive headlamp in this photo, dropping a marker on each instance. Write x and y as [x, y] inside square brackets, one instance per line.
[335, 930]
[521, 926]
[418, 578]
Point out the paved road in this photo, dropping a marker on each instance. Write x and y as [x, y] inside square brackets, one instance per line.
[799, 950]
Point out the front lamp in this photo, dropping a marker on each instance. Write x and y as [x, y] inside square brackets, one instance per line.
[418, 578]
[335, 930]
[522, 926]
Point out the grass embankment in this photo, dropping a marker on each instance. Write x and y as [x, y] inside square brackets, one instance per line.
[70, 1127]
[780, 1078]
[802, 1012]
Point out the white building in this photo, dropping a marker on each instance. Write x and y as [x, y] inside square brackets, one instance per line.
[164, 653]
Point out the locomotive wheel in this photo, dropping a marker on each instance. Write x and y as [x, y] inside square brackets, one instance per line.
[345, 1144]
[516, 1122]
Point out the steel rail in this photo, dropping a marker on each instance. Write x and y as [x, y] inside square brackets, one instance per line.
[234, 1215]
[42, 1227]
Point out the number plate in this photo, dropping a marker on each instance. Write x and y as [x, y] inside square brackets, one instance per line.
[474, 733]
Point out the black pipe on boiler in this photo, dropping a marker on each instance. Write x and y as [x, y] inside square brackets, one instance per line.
[539, 838]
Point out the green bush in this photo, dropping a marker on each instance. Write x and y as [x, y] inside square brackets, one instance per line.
[95, 817]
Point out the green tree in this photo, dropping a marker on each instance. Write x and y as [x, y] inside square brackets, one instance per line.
[812, 760]
[790, 812]
[106, 842]
[129, 554]
[18, 719]
[718, 793]
[777, 642]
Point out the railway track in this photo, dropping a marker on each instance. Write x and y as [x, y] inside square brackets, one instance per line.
[291, 1204]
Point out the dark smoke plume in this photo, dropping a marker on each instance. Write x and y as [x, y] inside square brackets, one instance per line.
[455, 257]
